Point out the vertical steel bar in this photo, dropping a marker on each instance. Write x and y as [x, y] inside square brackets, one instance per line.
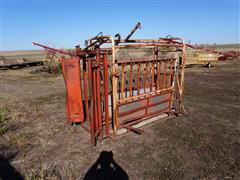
[114, 88]
[95, 99]
[182, 67]
[130, 80]
[105, 71]
[146, 77]
[158, 75]
[171, 85]
[80, 83]
[122, 81]
[98, 86]
[85, 81]
[164, 74]
[170, 74]
[153, 74]
[91, 110]
[138, 78]
[157, 66]
[126, 82]
[146, 110]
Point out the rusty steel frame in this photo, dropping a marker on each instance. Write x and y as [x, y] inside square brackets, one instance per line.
[150, 85]
[176, 75]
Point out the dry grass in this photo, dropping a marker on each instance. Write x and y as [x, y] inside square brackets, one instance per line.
[203, 144]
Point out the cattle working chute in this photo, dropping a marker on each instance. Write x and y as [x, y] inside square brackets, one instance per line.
[116, 84]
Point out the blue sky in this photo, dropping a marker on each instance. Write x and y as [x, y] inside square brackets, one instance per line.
[63, 24]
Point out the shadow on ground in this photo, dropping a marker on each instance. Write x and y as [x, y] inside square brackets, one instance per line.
[7, 171]
[106, 168]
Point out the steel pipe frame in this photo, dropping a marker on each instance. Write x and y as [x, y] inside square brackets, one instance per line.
[114, 68]
[148, 43]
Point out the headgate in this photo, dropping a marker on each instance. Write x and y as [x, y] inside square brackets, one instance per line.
[116, 87]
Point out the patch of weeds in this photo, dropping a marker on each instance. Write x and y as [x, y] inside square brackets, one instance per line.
[52, 68]
[20, 140]
[55, 68]
[3, 130]
[42, 173]
[3, 118]
[3, 114]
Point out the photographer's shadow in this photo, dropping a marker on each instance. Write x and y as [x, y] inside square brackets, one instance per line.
[7, 171]
[105, 168]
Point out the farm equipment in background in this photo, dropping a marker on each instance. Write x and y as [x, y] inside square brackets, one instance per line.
[51, 63]
[109, 93]
[198, 55]
[17, 63]
[222, 55]
[200, 58]
[229, 55]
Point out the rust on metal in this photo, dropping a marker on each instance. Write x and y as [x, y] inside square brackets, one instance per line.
[121, 91]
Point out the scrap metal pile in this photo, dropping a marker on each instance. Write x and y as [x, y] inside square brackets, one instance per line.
[116, 85]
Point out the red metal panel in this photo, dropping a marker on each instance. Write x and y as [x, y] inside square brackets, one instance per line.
[71, 74]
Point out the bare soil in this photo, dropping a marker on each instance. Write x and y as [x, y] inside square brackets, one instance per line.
[37, 143]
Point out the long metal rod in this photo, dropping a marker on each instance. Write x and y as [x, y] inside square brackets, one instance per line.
[98, 86]
[131, 80]
[144, 95]
[129, 61]
[95, 100]
[91, 109]
[114, 87]
[55, 50]
[85, 82]
[138, 78]
[122, 81]
[146, 77]
[164, 74]
[137, 26]
[105, 71]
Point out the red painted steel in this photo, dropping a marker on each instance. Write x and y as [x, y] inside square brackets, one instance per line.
[120, 92]
[71, 74]
[155, 96]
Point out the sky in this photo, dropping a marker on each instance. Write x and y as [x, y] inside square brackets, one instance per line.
[63, 24]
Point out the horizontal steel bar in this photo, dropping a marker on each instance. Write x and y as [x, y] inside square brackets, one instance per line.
[146, 45]
[137, 100]
[145, 60]
[142, 107]
[132, 98]
[142, 116]
[141, 41]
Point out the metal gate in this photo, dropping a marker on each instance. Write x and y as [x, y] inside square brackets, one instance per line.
[107, 92]
[145, 89]
[124, 92]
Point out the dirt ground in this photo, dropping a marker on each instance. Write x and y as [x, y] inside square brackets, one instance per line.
[21, 53]
[37, 143]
